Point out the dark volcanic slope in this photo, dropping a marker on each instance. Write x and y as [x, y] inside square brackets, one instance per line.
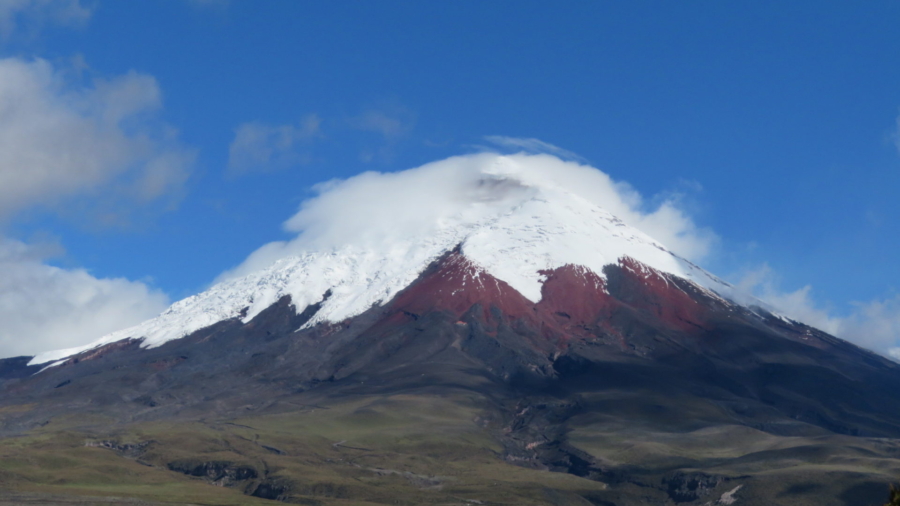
[456, 324]
[641, 346]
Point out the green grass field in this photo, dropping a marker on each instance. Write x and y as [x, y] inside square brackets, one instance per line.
[420, 449]
[402, 449]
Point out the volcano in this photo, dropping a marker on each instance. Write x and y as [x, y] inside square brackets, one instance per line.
[510, 342]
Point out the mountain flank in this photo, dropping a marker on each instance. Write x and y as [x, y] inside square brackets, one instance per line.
[638, 385]
[518, 344]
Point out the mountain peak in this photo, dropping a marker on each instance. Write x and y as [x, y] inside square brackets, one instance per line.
[513, 217]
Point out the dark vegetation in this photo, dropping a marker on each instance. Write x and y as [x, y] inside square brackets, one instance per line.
[894, 499]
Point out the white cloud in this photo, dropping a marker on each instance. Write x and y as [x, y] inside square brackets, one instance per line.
[44, 307]
[874, 325]
[33, 14]
[261, 147]
[531, 145]
[60, 139]
[76, 147]
[376, 206]
[762, 283]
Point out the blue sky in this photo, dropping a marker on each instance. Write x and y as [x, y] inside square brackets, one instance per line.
[206, 123]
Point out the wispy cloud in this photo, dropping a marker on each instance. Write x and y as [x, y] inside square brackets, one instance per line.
[531, 145]
[260, 147]
[392, 123]
[29, 16]
[763, 283]
[874, 324]
[391, 127]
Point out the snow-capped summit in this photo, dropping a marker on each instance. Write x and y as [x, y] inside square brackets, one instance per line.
[365, 239]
